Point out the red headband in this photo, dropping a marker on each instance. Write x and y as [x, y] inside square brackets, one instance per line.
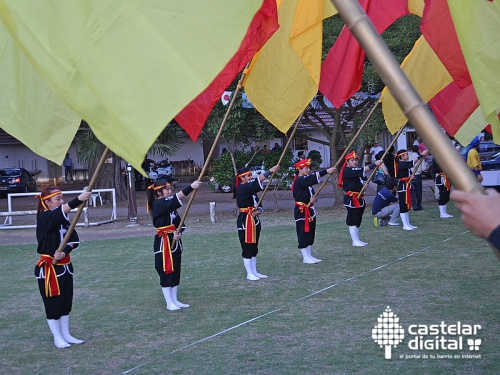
[302, 163]
[351, 155]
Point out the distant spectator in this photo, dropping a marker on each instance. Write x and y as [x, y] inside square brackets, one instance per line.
[473, 160]
[265, 150]
[416, 142]
[375, 150]
[68, 168]
[421, 148]
[276, 148]
[416, 191]
[301, 155]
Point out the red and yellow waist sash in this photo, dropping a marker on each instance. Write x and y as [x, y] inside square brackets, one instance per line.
[168, 263]
[250, 227]
[407, 182]
[303, 208]
[446, 181]
[355, 197]
[51, 282]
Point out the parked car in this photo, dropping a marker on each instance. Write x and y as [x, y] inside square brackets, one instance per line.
[491, 171]
[16, 180]
[486, 149]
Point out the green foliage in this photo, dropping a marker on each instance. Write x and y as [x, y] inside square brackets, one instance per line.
[244, 126]
[223, 170]
[315, 157]
[171, 140]
[285, 174]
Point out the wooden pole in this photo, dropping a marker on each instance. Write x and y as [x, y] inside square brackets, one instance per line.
[341, 159]
[82, 205]
[281, 157]
[212, 149]
[419, 162]
[408, 99]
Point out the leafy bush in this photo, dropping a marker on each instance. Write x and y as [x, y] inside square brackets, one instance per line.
[315, 157]
[222, 168]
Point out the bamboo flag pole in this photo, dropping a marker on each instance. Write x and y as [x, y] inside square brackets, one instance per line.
[365, 186]
[282, 156]
[407, 97]
[212, 149]
[419, 162]
[82, 205]
[361, 128]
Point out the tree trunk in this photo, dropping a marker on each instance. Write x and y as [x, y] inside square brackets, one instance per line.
[338, 135]
[110, 177]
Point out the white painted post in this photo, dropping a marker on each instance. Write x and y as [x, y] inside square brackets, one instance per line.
[212, 212]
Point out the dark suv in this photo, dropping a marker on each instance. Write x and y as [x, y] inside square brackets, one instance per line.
[16, 180]
[487, 148]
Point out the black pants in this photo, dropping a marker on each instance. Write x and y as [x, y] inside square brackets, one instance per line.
[249, 250]
[61, 305]
[172, 279]
[305, 238]
[355, 216]
[416, 193]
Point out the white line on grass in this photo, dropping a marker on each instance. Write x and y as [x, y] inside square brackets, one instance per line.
[297, 300]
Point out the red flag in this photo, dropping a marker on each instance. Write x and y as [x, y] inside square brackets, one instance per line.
[438, 29]
[453, 105]
[264, 24]
[342, 69]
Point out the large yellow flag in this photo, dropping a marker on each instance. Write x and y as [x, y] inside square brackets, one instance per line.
[477, 24]
[281, 83]
[427, 74]
[126, 67]
[29, 110]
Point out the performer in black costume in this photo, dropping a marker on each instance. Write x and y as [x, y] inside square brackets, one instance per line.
[248, 223]
[305, 217]
[55, 282]
[163, 205]
[403, 166]
[443, 188]
[351, 180]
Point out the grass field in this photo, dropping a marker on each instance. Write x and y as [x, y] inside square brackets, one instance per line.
[303, 319]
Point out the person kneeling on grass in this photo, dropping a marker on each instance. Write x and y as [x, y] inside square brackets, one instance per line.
[55, 281]
[384, 209]
[163, 205]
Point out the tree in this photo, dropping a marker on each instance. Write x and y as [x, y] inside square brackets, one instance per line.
[89, 151]
[400, 37]
[244, 128]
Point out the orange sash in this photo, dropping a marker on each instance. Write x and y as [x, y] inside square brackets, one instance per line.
[250, 228]
[407, 183]
[446, 181]
[355, 195]
[168, 263]
[307, 214]
[51, 282]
